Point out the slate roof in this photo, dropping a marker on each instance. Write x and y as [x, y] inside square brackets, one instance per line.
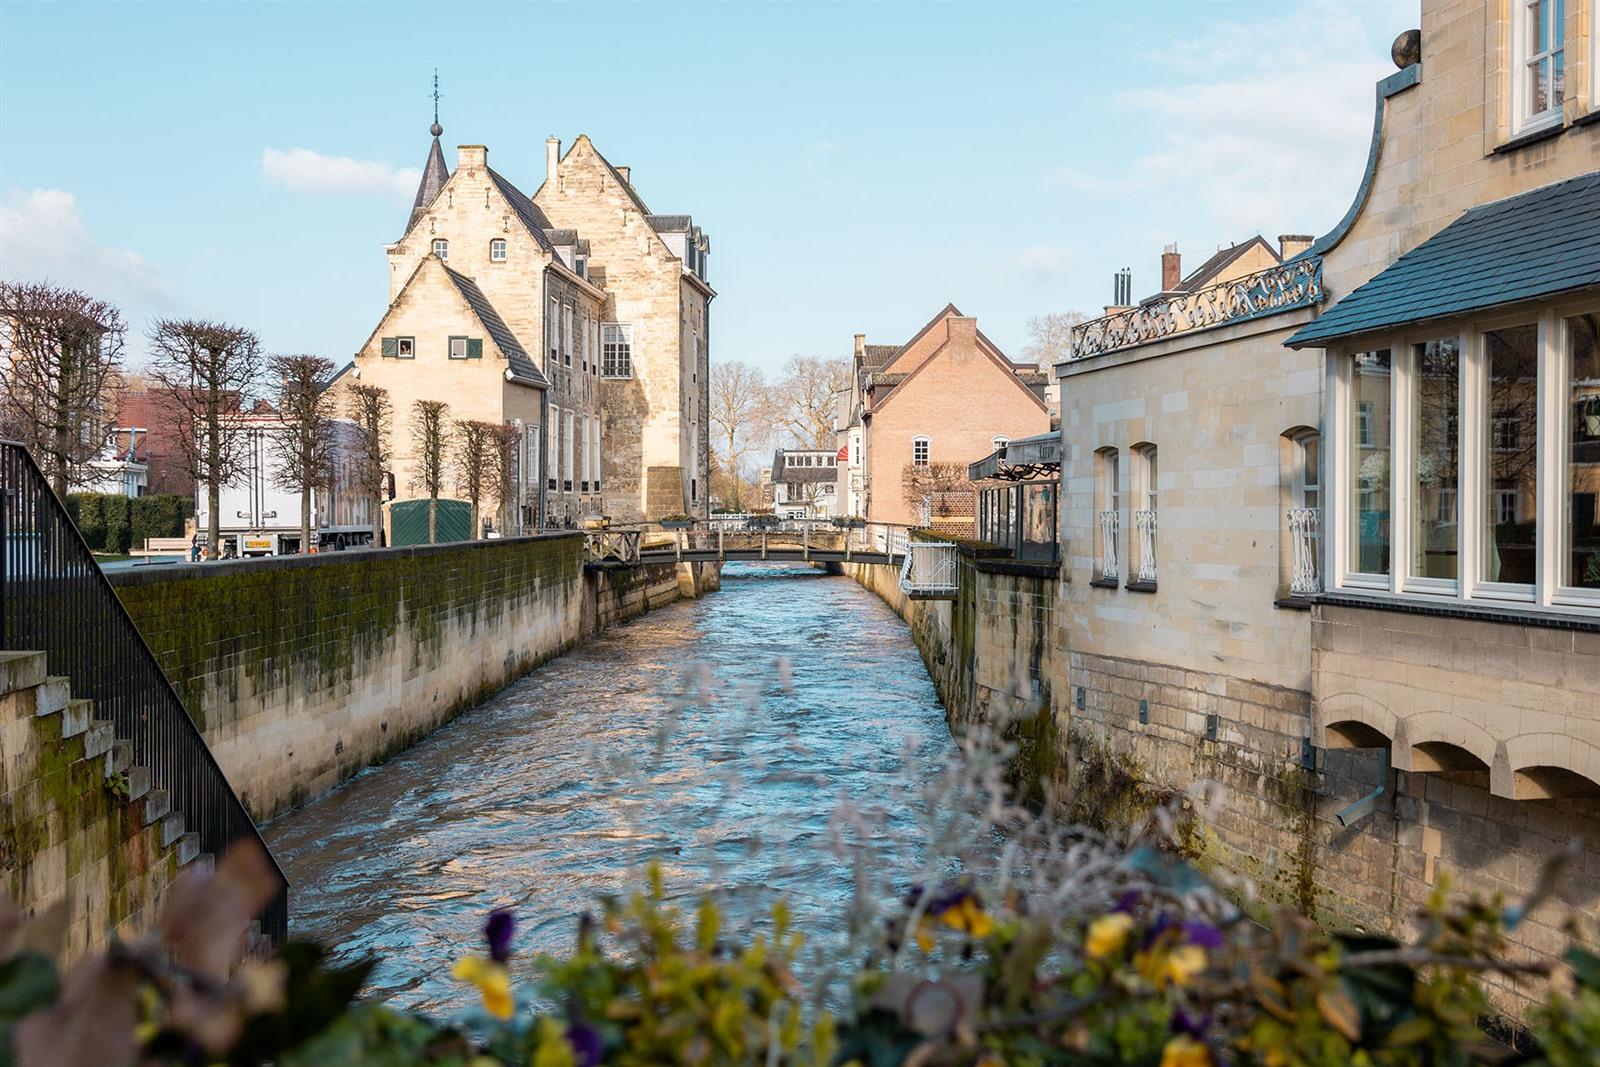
[875, 356]
[516, 356]
[785, 472]
[1206, 273]
[670, 223]
[434, 175]
[562, 238]
[1536, 244]
[526, 210]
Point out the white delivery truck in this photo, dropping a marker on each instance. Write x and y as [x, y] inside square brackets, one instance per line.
[259, 518]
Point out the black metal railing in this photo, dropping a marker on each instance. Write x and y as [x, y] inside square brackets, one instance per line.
[1021, 516]
[53, 599]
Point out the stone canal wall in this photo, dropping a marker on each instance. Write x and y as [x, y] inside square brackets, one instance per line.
[303, 670]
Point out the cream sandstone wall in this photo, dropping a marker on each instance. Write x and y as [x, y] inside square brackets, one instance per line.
[960, 399]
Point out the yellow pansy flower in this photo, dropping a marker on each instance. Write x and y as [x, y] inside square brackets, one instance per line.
[1185, 1051]
[492, 981]
[1107, 935]
[1184, 963]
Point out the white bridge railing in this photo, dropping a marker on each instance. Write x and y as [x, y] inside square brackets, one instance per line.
[1305, 535]
[930, 569]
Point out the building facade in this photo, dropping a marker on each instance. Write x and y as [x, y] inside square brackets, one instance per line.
[654, 333]
[805, 483]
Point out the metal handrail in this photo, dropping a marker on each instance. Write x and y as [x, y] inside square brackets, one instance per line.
[54, 599]
[1304, 533]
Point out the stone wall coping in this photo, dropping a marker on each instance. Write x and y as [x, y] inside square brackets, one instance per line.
[165, 572]
[1553, 620]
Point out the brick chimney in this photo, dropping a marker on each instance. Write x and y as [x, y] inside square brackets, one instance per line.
[552, 159]
[1171, 269]
[471, 155]
[1292, 244]
[861, 347]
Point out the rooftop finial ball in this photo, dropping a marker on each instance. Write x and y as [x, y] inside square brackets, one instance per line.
[436, 129]
[1407, 49]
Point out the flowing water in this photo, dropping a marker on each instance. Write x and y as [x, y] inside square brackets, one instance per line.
[681, 738]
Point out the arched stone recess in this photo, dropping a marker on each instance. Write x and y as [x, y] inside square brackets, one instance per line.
[1437, 741]
[1352, 720]
[1545, 767]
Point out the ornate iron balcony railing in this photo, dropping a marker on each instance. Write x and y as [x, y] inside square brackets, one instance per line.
[1305, 535]
[1108, 545]
[1292, 285]
[1144, 521]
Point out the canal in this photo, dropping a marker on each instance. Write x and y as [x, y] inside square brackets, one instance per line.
[720, 737]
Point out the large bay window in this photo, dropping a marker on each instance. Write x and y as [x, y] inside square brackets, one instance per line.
[1483, 441]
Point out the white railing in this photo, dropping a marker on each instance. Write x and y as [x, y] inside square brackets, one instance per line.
[1305, 537]
[1108, 545]
[1144, 522]
[930, 569]
[1295, 284]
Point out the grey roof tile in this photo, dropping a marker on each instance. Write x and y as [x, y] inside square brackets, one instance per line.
[1536, 244]
[670, 223]
[434, 175]
[516, 356]
[526, 210]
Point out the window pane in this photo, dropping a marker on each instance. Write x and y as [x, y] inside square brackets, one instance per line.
[1511, 468]
[1435, 538]
[1582, 564]
[1369, 483]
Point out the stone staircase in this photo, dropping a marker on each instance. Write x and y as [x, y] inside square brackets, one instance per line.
[77, 817]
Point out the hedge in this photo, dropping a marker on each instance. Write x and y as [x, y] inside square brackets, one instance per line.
[114, 523]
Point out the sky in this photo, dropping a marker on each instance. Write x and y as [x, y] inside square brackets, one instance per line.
[856, 166]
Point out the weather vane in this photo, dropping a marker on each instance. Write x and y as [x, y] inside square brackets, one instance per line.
[437, 129]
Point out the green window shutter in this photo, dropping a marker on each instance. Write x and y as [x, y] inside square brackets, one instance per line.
[474, 348]
[391, 347]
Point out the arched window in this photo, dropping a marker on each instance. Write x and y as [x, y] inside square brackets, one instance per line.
[497, 250]
[441, 248]
[999, 441]
[1144, 511]
[921, 450]
[1108, 509]
[1302, 514]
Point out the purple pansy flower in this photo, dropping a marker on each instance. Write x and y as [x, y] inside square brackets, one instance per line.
[587, 1046]
[497, 932]
[1193, 1023]
[1203, 934]
[1128, 901]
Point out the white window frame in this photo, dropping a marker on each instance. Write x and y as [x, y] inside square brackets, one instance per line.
[924, 443]
[1361, 428]
[567, 457]
[552, 332]
[441, 248]
[497, 250]
[554, 449]
[566, 335]
[620, 367]
[452, 343]
[1474, 440]
[1523, 58]
[1403, 372]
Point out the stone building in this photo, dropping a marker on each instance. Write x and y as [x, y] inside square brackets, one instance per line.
[805, 483]
[1328, 528]
[918, 413]
[654, 333]
[482, 274]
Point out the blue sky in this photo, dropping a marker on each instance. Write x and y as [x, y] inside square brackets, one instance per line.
[856, 166]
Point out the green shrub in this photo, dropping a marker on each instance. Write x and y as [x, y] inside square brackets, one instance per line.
[158, 516]
[87, 511]
[118, 527]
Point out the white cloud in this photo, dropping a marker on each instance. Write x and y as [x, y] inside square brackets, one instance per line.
[306, 171]
[1042, 262]
[1274, 144]
[43, 236]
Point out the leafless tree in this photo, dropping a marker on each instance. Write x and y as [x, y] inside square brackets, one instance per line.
[60, 353]
[1050, 337]
[475, 461]
[803, 398]
[304, 448]
[505, 443]
[941, 484]
[739, 399]
[428, 441]
[207, 371]
[369, 407]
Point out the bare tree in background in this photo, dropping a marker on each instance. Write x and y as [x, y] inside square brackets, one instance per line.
[474, 465]
[803, 398]
[505, 444]
[371, 410]
[1050, 337]
[739, 400]
[59, 375]
[428, 439]
[304, 448]
[207, 371]
[943, 486]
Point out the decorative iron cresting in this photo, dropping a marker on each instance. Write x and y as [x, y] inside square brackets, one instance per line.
[1295, 284]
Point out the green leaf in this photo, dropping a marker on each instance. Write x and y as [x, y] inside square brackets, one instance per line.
[1585, 966]
[28, 982]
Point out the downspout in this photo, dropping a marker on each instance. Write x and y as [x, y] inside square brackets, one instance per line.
[1353, 814]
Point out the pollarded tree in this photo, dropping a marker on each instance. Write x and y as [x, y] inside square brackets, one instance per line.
[429, 437]
[304, 448]
[505, 449]
[370, 408]
[207, 371]
[474, 465]
[59, 375]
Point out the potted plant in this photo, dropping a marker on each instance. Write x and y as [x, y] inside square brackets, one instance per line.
[676, 522]
[850, 522]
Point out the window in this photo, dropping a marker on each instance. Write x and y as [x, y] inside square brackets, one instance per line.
[398, 348]
[583, 452]
[616, 350]
[553, 447]
[566, 451]
[1435, 459]
[1579, 566]
[583, 341]
[1108, 509]
[1538, 68]
[1369, 464]
[441, 248]
[552, 326]
[594, 431]
[920, 451]
[458, 348]
[1144, 515]
[566, 335]
[1510, 537]
[999, 441]
[497, 250]
[1303, 512]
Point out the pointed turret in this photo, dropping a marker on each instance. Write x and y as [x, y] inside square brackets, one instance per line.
[434, 175]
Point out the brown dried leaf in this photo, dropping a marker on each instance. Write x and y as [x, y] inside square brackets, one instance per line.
[91, 1025]
[1340, 1012]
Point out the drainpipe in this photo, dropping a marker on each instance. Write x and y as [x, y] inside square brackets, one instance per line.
[1366, 805]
